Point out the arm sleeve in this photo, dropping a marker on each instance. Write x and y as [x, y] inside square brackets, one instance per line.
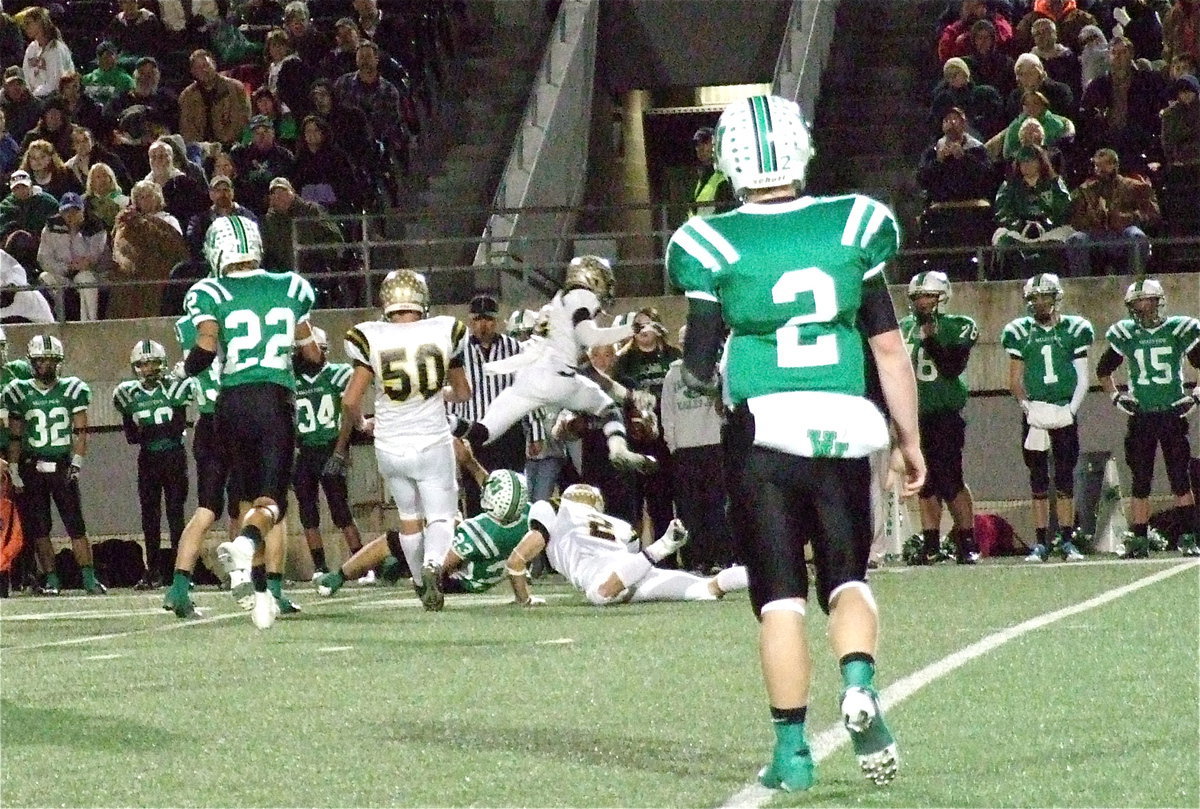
[1110, 361]
[1081, 383]
[705, 336]
[876, 314]
[950, 361]
[131, 430]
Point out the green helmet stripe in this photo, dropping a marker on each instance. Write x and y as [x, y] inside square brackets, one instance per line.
[239, 231]
[762, 128]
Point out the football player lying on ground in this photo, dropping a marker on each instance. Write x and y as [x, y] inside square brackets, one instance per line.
[482, 544]
[598, 555]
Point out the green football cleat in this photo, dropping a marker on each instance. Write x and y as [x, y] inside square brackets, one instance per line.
[872, 741]
[287, 606]
[791, 772]
[391, 571]
[330, 583]
[1136, 547]
[95, 588]
[1188, 546]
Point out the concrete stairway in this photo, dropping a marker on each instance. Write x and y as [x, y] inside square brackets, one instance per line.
[470, 139]
[870, 123]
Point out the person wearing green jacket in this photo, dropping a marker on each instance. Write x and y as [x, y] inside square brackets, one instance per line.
[1031, 206]
[27, 207]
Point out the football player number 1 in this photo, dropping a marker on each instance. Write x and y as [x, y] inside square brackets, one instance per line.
[790, 351]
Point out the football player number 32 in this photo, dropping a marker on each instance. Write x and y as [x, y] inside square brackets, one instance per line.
[790, 351]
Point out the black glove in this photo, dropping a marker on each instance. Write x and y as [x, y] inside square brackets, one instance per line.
[335, 467]
[1124, 402]
[1184, 407]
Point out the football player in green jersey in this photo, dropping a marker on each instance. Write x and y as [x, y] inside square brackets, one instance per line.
[1156, 402]
[256, 318]
[10, 370]
[153, 412]
[319, 389]
[213, 481]
[940, 345]
[476, 559]
[793, 278]
[47, 417]
[1048, 376]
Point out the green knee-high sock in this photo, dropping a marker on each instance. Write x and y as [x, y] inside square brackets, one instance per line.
[275, 584]
[789, 729]
[89, 575]
[858, 669]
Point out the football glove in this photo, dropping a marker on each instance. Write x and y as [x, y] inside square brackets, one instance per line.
[1124, 402]
[74, 469]
[14, 476]
[1184, 407]
[335, 467]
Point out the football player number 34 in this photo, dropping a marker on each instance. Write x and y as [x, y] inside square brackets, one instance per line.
[791, 352]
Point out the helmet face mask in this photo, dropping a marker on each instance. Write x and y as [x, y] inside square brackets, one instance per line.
[594, 273]
[404, 291]
[147, 359]
[763, 142]
[1144, 300]
[927, 293]
[585, 494]
[504, 496]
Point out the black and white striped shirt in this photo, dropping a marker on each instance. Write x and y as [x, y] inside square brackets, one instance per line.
[484, 386]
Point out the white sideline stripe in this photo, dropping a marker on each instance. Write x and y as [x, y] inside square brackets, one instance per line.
[463, 599]
[173, 625]
[827, 741]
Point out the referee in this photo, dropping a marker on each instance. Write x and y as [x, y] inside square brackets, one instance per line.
[486, 344]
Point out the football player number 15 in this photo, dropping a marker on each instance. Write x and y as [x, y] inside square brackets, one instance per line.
[790, 351]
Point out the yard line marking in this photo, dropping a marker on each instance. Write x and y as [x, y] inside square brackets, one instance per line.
[78, 615]
[102, 657]
[554, 642]
[335, 648]
[174, 625]
[827, 741]
[487, 601]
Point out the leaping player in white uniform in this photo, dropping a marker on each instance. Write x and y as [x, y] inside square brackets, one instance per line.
[598, 554]
[416, 363]
[548, 372]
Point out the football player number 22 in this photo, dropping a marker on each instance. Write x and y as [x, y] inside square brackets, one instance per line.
[790, 351]
[247, 349]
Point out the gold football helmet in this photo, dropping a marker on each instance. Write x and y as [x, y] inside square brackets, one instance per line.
[404, 291]
[586, 494]
[594, 273]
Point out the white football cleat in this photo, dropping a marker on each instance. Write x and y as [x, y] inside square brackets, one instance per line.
[368, 580]
[236, 558]
[264, 611]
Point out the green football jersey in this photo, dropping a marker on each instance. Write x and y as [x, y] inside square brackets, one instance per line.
[156, 405]
[319, 403]
[936, 393]
[256, 313]
[207, 383]
[47, 414]
[484, 546]
[13, 369]
[789, 278]
[1156, 357]
[1049, 354]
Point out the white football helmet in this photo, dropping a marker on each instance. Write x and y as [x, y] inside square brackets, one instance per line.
[504, 496]
[232, 240]
[404, 291]
[521, 322]
[45, 346]
[762, 142]
[320, 338]
[594, 273]
[149, 354]
[1142, 290]
[931, 282]
[1045, 283]
[586, 494]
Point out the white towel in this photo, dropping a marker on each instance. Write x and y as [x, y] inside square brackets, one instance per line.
[1037, 440]
[1049, 416]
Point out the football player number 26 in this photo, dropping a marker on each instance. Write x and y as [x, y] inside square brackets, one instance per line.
[791, 352]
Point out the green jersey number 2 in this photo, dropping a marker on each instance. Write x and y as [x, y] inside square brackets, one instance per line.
[48, 429]
[790, 351]
[247, 350]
